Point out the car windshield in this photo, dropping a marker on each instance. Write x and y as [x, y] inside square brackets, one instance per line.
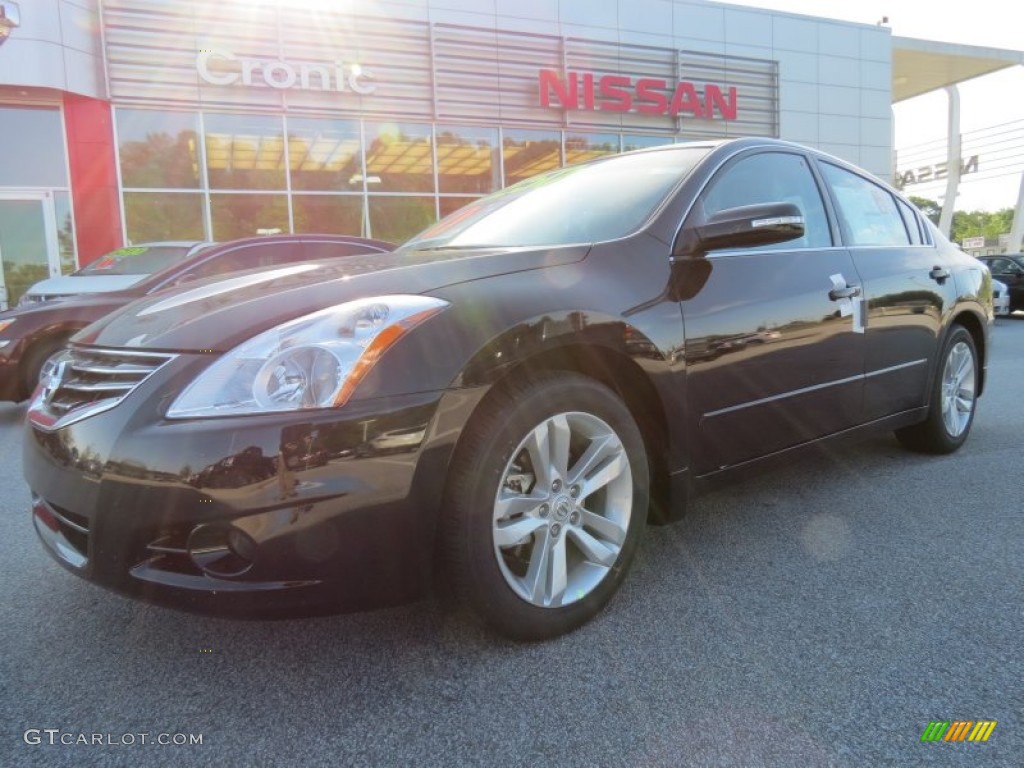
[136, 260]
[585, 203]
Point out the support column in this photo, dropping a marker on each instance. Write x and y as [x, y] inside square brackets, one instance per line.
[94, 189]
[1017, 230]
[952, 160]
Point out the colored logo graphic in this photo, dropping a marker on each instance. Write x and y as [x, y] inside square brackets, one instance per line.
[10, 17]
[958, 730]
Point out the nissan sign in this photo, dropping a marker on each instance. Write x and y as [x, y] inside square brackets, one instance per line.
[646, 95]
[936, 172]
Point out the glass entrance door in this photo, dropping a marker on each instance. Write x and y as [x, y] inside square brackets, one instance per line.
[28, 243]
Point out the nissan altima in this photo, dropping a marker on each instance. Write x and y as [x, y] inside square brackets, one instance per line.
[499, 406]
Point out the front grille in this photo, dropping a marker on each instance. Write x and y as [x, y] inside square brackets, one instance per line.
[85, 381]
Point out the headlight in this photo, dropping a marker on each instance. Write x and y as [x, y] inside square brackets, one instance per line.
[5, 324]
[315, 361]
[28, 299]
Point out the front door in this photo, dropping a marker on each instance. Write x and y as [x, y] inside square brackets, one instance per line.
[28, 243]
[774, 355]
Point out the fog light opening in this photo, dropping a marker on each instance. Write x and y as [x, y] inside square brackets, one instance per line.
[220, 550]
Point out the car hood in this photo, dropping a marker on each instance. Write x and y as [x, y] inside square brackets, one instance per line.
[220, 313]
[77, 309]
[70, 285]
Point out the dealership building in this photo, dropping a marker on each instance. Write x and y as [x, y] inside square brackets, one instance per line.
[132, 120]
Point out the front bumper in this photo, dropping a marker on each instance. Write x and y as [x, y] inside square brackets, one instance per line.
[253, 516]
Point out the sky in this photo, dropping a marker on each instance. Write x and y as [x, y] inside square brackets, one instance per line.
[986, 101]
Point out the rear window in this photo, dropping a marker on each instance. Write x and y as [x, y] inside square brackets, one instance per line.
[136, 260]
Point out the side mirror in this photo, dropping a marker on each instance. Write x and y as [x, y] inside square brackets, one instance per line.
[743, 227]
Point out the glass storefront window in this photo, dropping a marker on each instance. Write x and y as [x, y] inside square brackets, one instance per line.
[244, 215]
[245, 151]
[400, 217]
[338, 175]
[33, 140]
[582, 147]
[158, 149]
[325, 154]
[334, 214]
[155, 216]
[23, 246]
[527, 153]
[65, 232]
[629, 143]
[399, 158]
[467, 160]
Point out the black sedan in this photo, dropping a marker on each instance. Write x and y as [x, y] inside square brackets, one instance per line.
[501, 404]
[38, 328]
[1009, 270]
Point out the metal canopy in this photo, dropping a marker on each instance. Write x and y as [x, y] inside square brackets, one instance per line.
[921, 66]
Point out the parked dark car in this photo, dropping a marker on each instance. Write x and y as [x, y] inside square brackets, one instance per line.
[502, 400]
[114, 271]
[1009, 270]
[37, 330]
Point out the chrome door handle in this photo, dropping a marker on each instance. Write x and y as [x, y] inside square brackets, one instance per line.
[844, 293]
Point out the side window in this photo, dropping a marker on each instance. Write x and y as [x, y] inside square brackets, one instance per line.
[269, 255]
[999, 266]
[867, 212]
[311, 251]
[912, 222]
[772, 177]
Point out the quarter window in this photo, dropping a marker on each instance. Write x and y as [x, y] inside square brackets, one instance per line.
[911, 220]
[867, 212]
[772, 177]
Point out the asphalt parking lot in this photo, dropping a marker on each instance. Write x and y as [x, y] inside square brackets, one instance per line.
[818, 615]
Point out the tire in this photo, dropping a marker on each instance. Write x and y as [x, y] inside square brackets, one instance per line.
[953, 399]
[525, 545]
[36, 358]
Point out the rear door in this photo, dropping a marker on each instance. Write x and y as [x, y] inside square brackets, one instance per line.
[773, 360]
[907, 288]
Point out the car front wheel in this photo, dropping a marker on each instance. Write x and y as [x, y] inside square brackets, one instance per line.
[546, 503]
[953, 397]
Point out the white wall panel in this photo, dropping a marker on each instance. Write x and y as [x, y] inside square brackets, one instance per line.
[835, 129]
[545, 10]
[838, 40]
[748, 28]
[699, 20]
[651, 16]
[792, 34]
[834, 70]
[592, 13]
[802, 67]
[839, 100]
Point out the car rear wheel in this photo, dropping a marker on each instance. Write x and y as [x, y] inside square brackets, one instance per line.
[546, 504]
[953, 397]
